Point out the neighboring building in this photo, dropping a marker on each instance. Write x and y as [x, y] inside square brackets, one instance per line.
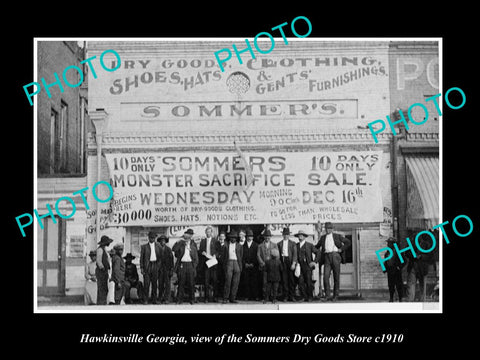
[61, 166]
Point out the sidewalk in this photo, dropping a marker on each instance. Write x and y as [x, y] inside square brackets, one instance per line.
[76, 302]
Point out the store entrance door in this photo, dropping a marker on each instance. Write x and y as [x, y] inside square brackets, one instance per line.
[51, 257]
[348, 271]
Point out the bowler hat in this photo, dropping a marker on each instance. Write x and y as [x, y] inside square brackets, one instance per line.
[163, 237]
[328, 225]
[232, 235]
[189, 231]
[391, 239]
[286, 231]
[249, 232]
[105, 240]
[266, 233]
[129, 256]
[92, 253]
[301, 232]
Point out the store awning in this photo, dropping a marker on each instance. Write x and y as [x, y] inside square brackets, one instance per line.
[422, 191]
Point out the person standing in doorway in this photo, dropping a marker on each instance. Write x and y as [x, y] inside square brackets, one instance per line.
[233, 257]
[332, 247]
[150, 257]
[101, 272]
[288, 256]
[90, 294]
[186, 254]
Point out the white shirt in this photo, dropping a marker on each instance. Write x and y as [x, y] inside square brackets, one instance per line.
[302, 242]
[285, 248]
[249, 243]
[153, 254]
[208, 246]
[232, 255]
[330, 244]
[186, 256]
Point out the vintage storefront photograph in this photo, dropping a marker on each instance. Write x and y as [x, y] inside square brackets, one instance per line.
[259, 188]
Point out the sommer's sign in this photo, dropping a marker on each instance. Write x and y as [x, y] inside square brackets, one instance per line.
[211, 188]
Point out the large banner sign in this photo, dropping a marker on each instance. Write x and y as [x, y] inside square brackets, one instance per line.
[165, 189]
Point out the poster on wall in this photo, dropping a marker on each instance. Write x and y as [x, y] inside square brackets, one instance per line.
[165, 189]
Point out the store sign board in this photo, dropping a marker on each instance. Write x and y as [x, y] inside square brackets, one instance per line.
[168, 189]
[164, 85]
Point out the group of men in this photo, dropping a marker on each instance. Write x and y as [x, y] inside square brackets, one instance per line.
[230, 266]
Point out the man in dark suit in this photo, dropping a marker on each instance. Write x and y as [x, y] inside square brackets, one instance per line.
[165, 270]
[220, 268]
[250, 268]
[288, 256]
[186, 254]
[150, 257]
[305, 251]
[264, 254]
[233, 258]
[332, 247]
[208, 250]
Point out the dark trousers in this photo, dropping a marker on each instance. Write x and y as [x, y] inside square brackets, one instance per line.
[395, 281]
[271, 290]
[186, 277]
[305, 284]
[288, 280]
[232, 279]
[332, 263]
[220, 278]
[119, 292]
[137, 285]
[250, 283]
[210, 282]
[164, 285]
[151, 278]
[102, 286]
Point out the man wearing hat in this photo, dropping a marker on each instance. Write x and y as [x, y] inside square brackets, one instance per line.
[332, 247]
[131, 279]
[233, 258]
[150, 261]
[165, 270]
[264, 254]
[393, 268]
[186, 254]
[101, 272]
[250, 280]
[305, 251]
[288, 256]
[118, 272]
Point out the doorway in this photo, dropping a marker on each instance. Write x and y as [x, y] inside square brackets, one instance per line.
[51, 257]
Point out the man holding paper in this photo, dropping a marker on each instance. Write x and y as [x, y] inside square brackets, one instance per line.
[208, 258]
